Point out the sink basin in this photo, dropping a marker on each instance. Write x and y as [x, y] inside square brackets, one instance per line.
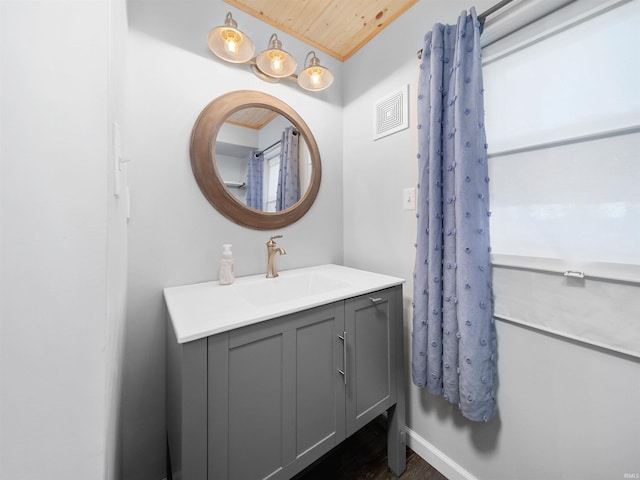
[292, 285]
[203, 309]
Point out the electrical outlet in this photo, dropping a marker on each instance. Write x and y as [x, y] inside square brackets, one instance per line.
[409, 198]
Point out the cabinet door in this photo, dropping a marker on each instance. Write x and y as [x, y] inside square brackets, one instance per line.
[371, 334]
[319, 401]
[273, 391]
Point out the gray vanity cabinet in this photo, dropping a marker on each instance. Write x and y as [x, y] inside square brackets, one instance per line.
[267, 400]
[282, 407]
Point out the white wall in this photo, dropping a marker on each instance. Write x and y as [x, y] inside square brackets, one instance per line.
[62, 263]
[175, 235]
[561, 404]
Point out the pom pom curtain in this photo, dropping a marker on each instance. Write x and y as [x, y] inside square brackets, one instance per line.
[454, 343]
[288, 192]
[255, 177]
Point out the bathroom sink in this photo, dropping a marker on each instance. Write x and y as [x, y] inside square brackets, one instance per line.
[290, 285]
[204, 309]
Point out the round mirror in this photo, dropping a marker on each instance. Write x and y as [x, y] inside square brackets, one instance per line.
[255, 160]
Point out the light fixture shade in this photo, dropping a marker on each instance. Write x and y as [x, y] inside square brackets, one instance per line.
[274, 61]
[315, 77]
[229, 43]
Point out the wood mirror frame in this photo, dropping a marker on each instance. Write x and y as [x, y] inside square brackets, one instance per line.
[205, 170]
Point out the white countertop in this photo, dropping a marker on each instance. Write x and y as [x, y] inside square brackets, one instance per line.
[203, 309]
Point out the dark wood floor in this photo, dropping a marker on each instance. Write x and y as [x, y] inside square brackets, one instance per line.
[363, 456]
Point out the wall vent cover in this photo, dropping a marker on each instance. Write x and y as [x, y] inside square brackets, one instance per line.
[391, 113]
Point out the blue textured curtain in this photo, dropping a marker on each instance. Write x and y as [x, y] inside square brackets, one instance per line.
[454, 343]
[255, 178]
[288, 192]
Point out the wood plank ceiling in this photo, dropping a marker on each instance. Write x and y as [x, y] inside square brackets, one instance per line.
[252, 117]
[337, 27]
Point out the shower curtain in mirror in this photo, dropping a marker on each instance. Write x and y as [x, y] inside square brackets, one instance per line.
[453, 331]
[255, 177]
[288, 192]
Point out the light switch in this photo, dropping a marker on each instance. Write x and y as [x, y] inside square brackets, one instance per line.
[409, 198]
[118, 161]
[117, 153]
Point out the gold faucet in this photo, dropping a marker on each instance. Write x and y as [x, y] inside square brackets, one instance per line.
[272, 271]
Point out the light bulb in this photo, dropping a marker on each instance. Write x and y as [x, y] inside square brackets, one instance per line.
[231, 42]
[277, 62]
[316, 76]
[231, 47]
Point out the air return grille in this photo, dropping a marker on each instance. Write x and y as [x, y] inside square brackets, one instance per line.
[391, 113]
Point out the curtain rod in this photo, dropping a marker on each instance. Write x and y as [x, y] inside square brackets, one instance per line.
[498, 6]
[295, 132]
[483, 16]
[257, 154]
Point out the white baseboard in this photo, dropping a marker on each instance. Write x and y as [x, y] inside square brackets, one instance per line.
[444, 464]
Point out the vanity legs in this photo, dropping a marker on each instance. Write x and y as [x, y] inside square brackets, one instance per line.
[396, 435]
[396, 443]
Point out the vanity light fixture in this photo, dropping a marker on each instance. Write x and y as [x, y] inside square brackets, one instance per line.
[274, 63]
[314, 77]
[229, 43]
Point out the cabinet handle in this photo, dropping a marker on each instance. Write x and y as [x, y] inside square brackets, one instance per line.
[375, 299]
[343, 337]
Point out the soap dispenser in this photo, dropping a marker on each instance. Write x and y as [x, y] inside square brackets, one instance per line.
[226, 274]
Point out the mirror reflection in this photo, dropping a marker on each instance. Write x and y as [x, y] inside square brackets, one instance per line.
[263, 159]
